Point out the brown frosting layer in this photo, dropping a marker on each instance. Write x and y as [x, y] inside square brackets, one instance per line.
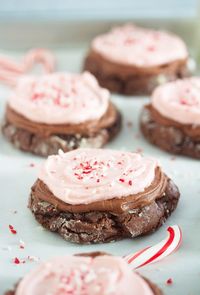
[115, 205]
[88, 128]
[127, 70]
[188, 129]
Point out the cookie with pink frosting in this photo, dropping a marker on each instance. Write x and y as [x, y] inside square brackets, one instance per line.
[134, 60]
[59, 110]
[87, 274]
[98, 195]
[172, 120]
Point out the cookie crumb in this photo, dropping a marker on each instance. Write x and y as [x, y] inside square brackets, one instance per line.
[173, 158]
[129, 124]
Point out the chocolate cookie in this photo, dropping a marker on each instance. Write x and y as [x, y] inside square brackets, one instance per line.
[87, 278]
[100, 226]
[60, 111]
[131, 60]
[130, 80]
[30, 140]
[169, 138]
[172, 120]
[84, 215]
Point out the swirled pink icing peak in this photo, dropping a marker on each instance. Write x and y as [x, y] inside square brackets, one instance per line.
[60, 98]
[179, 100]
[84, 176]
[70, 275]
[140, 47]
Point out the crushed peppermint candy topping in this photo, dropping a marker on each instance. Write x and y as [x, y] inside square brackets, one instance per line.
[97, 174]
[121, 180]
[91, 169]
[81, 280]
[21, 244]
[30, 258]
[18, 261]
[12, 230]
[97, 170]
[169, 281]
[130, 182]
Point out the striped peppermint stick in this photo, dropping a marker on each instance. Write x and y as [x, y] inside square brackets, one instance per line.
[157, 252]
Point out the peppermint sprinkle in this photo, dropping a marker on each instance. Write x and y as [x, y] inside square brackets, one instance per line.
[16, 260]
[12, 230]
[21, 244]
[130, 182]
[169, 281]
[122, 180]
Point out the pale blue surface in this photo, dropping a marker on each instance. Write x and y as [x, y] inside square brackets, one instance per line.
[45, 10]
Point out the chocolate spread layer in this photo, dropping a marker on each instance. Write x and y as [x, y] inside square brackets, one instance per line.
[115, 205]
[126, 70]
[88, 128]
[190, 130]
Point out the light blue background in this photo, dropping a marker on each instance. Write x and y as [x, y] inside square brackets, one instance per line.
[45, 10]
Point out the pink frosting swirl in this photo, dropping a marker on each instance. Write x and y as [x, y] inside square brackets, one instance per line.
[132, 45]
[84, 176]
[179, 100]
[70, 275]
[60, 98]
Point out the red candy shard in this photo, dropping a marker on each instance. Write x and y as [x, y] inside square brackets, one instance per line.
[121, 180]
[130, 182]
[169, 281]
[12, 230]
[16, 260]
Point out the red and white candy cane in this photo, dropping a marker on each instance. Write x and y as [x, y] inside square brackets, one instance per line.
[11, 70]
[157, 252]
[42, 56]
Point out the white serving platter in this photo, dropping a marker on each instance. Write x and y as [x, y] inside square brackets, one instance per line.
[17, 176]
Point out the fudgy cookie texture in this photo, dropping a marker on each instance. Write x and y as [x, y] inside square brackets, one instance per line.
[99, 227]
[45, 146]
[130, 80]
[169, 138]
